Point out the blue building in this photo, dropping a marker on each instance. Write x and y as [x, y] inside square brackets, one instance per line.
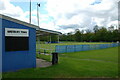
[18, 44]
[18, 39]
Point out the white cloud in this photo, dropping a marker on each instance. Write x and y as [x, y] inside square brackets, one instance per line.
[114, 23]
[13, 11]
[10, 9]
[67, 15]
[16, 12]
[27, 0]
[80, 12]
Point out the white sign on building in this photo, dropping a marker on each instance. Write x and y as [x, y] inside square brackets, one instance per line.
[16, 32]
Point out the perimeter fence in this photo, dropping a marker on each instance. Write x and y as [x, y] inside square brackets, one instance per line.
[77, 48]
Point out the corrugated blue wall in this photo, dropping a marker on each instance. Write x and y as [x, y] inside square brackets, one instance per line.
[15, 60]
[77, 48]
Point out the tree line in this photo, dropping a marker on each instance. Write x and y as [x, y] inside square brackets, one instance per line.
[99, 34]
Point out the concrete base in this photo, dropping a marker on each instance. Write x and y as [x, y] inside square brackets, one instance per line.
[42, 63]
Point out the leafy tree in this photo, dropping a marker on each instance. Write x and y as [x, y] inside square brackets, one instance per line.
[116, 35]
[99, 34]
[77, 35]
[96, 28]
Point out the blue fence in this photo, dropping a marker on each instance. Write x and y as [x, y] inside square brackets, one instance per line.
[76, 48]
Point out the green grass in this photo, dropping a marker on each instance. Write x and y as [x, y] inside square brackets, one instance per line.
[45, 57]
[106, 55]
[84, 64]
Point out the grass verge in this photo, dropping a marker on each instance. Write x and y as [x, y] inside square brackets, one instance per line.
[85, 64]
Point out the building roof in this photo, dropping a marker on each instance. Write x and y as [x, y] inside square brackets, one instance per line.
[39, 31]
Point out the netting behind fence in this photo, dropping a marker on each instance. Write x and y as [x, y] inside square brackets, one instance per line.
[77, 48]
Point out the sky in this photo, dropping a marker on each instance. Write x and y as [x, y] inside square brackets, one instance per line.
[64, 15]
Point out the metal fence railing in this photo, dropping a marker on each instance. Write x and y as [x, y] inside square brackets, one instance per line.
[77, 48]
[45, 48]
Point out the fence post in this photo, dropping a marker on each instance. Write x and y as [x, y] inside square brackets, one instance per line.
[74, 48]
[66, 48]
[82, 47]
[89, 47]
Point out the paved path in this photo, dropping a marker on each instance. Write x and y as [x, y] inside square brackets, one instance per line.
[42, 63]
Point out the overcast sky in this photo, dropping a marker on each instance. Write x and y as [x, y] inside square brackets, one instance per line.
[64, 15]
